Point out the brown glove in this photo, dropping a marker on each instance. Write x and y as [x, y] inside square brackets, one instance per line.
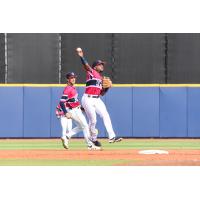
[106, 82]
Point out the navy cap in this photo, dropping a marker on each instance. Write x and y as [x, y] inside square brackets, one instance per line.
[70, 75]
[98, 62]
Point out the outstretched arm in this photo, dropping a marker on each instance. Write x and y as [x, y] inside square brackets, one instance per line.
[83, 60]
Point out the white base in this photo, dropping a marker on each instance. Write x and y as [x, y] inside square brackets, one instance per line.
[153, 152]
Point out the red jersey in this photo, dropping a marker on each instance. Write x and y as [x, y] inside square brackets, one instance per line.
[93, 82]
[69, 99]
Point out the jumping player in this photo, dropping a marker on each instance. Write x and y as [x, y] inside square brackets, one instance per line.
[69, 109]
[91, 99]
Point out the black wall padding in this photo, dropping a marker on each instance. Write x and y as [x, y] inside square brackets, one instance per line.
[131, 58]
[183, 58]
[139, 58]
[2, 58]
[95, 46]
[33, 58]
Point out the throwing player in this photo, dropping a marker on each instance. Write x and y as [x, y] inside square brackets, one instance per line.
[69, 109]
[91, 99]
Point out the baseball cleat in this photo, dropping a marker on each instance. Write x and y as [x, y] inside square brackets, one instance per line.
[115, 139]
[65, 142]
[93, 147]
[96, 143]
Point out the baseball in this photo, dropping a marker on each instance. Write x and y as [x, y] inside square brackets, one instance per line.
[78, 49]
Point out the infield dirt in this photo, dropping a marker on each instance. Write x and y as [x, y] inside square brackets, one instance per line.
[125, 157]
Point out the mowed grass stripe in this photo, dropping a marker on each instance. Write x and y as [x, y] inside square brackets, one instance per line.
[38, 162]
[78, 144]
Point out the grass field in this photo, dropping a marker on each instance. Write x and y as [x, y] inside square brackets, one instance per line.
[49, 152]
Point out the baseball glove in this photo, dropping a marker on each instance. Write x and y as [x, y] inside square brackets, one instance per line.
[106, 82]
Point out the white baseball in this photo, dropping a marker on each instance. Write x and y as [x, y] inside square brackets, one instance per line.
[78, 49]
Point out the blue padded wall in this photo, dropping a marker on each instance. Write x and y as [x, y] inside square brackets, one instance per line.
[56, 93]
[11, 109]
[145, 112]
[136, 112]
[173, 112]
[37, 117]
[119, 106]
[193, 112]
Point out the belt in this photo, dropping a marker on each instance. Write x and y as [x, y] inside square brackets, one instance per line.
[75, 107]
[92, 96]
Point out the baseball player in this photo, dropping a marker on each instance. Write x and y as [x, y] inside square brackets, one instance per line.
[91, 99]
[69, 109]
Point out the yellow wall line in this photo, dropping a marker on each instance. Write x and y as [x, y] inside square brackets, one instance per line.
[114, 85]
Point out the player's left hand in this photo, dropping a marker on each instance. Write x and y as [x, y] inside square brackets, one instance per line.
[106, 82]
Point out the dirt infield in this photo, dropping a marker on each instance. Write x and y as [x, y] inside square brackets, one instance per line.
[126, 157]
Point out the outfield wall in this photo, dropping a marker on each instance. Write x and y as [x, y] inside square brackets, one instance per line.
[136, 110]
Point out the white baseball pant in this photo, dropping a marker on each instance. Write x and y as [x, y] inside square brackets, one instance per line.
[81, 123]
[93, 106]
[66, 125]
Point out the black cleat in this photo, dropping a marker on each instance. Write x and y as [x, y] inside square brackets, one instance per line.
[97, 143]
[115, 139]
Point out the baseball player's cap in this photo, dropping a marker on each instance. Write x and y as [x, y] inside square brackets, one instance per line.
[98, 62]
[70, 75]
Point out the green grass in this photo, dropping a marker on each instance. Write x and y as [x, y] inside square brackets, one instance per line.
[32, 144]
[78, 144]
[38, 162]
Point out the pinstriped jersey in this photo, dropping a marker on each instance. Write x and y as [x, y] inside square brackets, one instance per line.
[93, 82]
